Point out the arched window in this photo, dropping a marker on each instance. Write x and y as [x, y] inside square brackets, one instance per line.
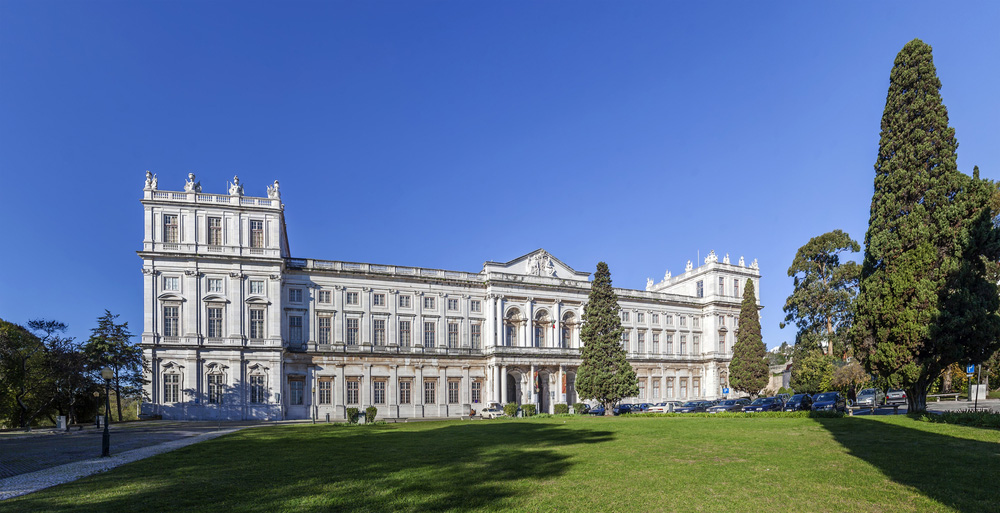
[510, 324]
[568, 324]
[541, 326]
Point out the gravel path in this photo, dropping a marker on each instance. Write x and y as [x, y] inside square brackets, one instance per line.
[34, 481]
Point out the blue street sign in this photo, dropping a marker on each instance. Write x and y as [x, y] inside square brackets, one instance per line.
[971, 369]
[725, 390]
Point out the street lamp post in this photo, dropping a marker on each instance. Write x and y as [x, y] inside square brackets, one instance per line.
[107, 374]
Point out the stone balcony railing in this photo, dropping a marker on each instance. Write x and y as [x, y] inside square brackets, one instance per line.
[390, 270]
[217, 199]
[198, 340]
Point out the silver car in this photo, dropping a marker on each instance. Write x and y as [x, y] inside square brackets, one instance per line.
[870, 397]
[729, 405]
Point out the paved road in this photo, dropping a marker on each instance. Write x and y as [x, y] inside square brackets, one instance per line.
[943, 406]
[22, 454]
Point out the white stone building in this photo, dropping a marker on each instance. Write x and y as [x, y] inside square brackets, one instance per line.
[235, 328]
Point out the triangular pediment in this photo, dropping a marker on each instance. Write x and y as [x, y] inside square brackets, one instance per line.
[537, 263]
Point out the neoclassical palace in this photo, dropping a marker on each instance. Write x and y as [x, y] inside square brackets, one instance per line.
[236, 328]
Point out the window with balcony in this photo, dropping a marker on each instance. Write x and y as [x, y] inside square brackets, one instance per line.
[353, 327]
[214, 231]
[171, 230]
[256, 234]
[171, 321]
[256, 323]
[324, 329]
[295, 328]
[404, 333]
[429, 334]
[214, 322]
[378, 332]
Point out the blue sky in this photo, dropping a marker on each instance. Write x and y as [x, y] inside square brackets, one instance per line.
[444, 134]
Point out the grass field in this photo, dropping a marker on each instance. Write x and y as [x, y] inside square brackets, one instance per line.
[561, 464]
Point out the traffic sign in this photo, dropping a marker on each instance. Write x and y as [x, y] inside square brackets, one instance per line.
[970, 369]
[725, 390]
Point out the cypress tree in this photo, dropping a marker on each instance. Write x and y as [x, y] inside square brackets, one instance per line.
[748, 370]
[605, 374]
[924, 301]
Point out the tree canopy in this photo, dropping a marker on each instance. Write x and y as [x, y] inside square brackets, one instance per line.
[748, 370]
[925, 299]
[604, 374]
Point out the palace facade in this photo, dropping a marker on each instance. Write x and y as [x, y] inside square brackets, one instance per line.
[235, 328]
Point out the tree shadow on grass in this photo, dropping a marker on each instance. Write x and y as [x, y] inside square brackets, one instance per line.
[457, 467]
[957, 472]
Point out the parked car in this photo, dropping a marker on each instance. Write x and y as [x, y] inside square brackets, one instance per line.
[692, 407]
[798, 402]
[621, 409]
[640, 408]
[829, 401]
[895, 396]
[784, 397]
[658, 408]
[729, 405]
[492, 411]
[597, 410]
[764, 404]
[870, 397]
[585, 410]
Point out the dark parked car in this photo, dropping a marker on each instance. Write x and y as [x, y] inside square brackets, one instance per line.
[692, 407]
[765, 404]
[622, 409]
[895, 396]
[829, 401]
[640, 408]
[597, 410]
[799, 402]
[729, 405]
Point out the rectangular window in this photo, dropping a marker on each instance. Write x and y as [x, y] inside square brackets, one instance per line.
[325, 391]
[477, 336]
[404, 333]
[296, 392]
[215, 284]
[256, 234]
[452, 334]
[352, 332]
[257, 287]
[170, 321]
[683, 344]
[256, 324]
[378, 392]
[642, 389]
[641, 341]
[215, 388]
[430, 392]
[352, 391]
[171, 283]
[668, 320]
[477, 391]
[378, 332]
[684, 388]
[429, 334]
[404, 391]
[640, 317]
[453, 392]
[257, 395]
[722, 286]
[295, 295]
[695, 321]
[656, 342]
[325, 297]
[736, 287]
[670, 388]
[722, 342]
[655, 319]
[695, 387]
[404, 301]
[625, 316]
[214, 231]
[722, 321]
[699, 289]
[171, 231]
[353, 298]
[625, 341]
[695, 344]
[295, 328]
[378, 299]
[670, 344]
[324, 329]
[429, 303]
[476, 306]
[171, 388]
[214, 322]
[453, 305]
[682, 320]
[656, 388]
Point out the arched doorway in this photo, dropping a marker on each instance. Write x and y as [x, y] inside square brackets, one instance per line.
[514, 393]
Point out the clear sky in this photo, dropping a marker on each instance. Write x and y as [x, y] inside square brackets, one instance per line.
[444, 134]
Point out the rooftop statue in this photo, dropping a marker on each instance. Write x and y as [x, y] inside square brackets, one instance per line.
[235, 189]
[191, 185]
[150, 181]
[272, 191]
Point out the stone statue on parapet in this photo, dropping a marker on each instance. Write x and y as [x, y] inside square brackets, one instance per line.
[235, 189]
[150, 181]
[649, 284]
[688, 267]
[191, 185]
[273, 192]
[743, 263]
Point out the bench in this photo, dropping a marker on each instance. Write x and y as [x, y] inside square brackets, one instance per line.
[938, 397]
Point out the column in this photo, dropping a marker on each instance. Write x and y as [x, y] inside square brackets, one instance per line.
[340, 392]
[489, 334]
[442, 390]
[503, 384]
[365, 386]
[392, 391]
[466, 387]
[392, 325]
[532, 399]
[310, 297]
[418, 391]
[310, 391]
[561, 394]
[529, 315]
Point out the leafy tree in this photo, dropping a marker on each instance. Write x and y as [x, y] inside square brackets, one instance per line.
[850, 378]
[748, 370]
[825, 288]
[927, 298]
[604, 374]
[67, 367]
[812, 371]
[110, 345]
[24, 376]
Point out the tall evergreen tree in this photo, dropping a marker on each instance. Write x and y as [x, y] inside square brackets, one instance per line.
[924, 299]
[111, 345]
[825, 288]
[604, 374]
[748, 370]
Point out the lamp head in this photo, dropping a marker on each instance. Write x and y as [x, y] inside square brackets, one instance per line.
[107, 373]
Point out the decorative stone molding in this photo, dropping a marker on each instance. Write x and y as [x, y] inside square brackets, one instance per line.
[237, 274]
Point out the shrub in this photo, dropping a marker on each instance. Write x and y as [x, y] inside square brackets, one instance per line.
[352, 415]
[561, 408]
[528, 409]
[510, 409]
[579, 408]
[983, 419]
[370, 413]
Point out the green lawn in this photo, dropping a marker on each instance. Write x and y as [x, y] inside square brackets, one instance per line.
[561, 464]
